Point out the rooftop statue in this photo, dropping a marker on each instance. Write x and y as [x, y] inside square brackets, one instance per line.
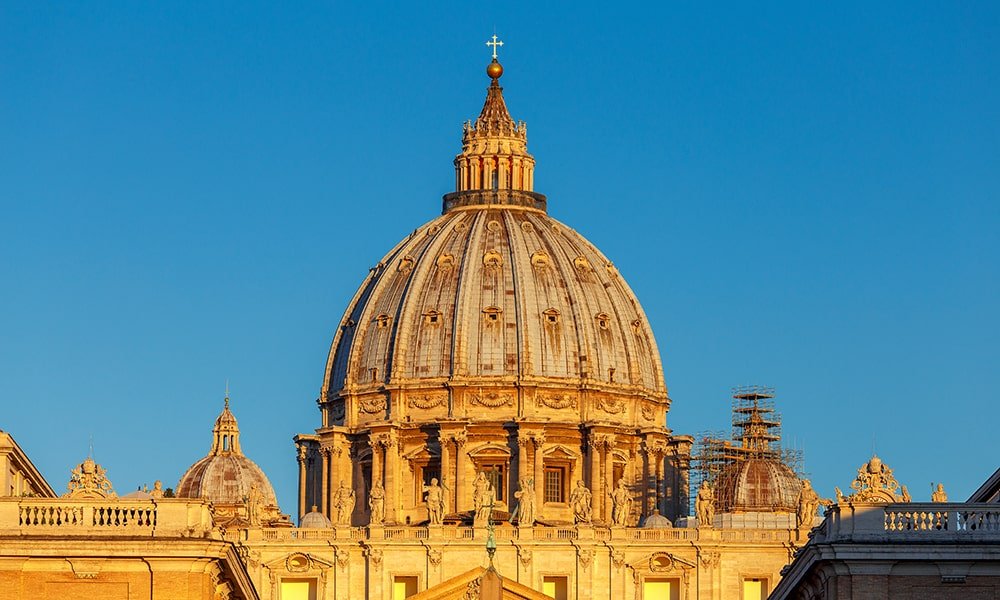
[376, 503]
[704, 505]
[939, 494]
[621, 498]
[874, 484]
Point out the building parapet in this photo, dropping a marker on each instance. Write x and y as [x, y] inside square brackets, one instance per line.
[97, 518]
[913, 521]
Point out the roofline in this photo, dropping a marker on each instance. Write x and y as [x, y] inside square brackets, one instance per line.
[989, 488]
[21, 458]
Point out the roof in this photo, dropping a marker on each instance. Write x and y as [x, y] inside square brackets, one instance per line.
[480, 583]
[18, 459]
[989, 491]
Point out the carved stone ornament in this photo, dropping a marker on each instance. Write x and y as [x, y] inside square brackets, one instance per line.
[472, 591]
[374, 555]
[88, 480]
[427, 401]
[434, 555]
[405, 264]
[338, 411]
[586, 557]
[875, 483]
[250, 556]
[648, 411]
[612, 406]
[372, 404]
[524, 555]
[618, 559]
[710, 558]
[492, 399]
[298, 563]
[661, 562]
[343, 557]
[557, 401]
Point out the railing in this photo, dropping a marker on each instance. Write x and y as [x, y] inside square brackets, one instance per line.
[661, 535]
[99, 517]
[943, 519]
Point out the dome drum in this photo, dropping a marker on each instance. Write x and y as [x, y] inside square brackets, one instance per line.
[484, 198]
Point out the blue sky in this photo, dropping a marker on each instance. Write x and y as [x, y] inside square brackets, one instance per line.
[802, 196]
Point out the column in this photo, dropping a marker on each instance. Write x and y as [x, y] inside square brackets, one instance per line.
[324, 481]
[302, 450]
[539, 441]
[391, 479]
[659, 483]
[609, 477]
[375, 443]
[446, 477]
[522, 457]
[460, 439]
[333, 475]
[595, 469]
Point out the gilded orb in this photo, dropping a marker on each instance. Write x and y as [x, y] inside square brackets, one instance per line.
[494, 70]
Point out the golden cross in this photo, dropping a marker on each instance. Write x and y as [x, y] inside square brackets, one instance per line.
[495, 44]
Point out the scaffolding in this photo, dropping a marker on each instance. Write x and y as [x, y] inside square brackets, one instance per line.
[755, 433]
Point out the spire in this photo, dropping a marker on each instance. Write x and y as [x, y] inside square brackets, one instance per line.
[494, 155]
[226, 433]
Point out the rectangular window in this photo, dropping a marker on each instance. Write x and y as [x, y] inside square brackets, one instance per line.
[404, 586]
[497, 474]
[617, 472]
[298, 589]
[754, 589]
[556, 587]
[555, 479]
[660, 589]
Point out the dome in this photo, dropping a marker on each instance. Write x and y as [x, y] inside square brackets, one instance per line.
[496, 304]
[226, 476]
[315, 520]
[757, 485]
[656, 521]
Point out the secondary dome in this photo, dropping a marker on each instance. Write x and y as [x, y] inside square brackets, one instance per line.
[757, 485]
[491, 296]
[237, 487]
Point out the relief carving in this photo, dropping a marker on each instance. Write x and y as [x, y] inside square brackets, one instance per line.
[586, 557]
[428, 401]
[492, 399]
[612, 406]
[648, 411]
[372, 404]
[557, 401]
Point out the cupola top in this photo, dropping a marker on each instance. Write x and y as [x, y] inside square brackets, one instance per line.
[494, 166]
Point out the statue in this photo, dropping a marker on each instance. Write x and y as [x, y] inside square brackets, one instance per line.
[841, 498]
[255, 505]
[939, 494]
[376, 504]
[435, 502]
[525, 503]
[343, 501]
[89, 480]
[580, 500]
[906, 494]
[157, 491]
[621, 499]
[483, 497]
[809, 502]
[704, 505]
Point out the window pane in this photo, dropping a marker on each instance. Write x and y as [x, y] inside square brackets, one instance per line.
[554, 484]
[495, 474]
[754, 589]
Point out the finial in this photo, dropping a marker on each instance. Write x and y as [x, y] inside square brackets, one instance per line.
[227, 393]
[495, 69]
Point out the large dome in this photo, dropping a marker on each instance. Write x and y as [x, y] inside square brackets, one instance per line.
[494, 303]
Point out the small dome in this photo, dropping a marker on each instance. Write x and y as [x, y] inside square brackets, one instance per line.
[757, 485]
[226, 476]
[657, 521]
[315, 520]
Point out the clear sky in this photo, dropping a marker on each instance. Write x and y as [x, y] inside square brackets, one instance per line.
[802, 196]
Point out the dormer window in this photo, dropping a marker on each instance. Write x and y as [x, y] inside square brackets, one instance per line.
[432, 317]
[491, 314]
[382, 321]
[603, 321]
[551, 316]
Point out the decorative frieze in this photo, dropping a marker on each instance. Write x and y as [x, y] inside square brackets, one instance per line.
[428, 401]
[556, 401]
[491, 399]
